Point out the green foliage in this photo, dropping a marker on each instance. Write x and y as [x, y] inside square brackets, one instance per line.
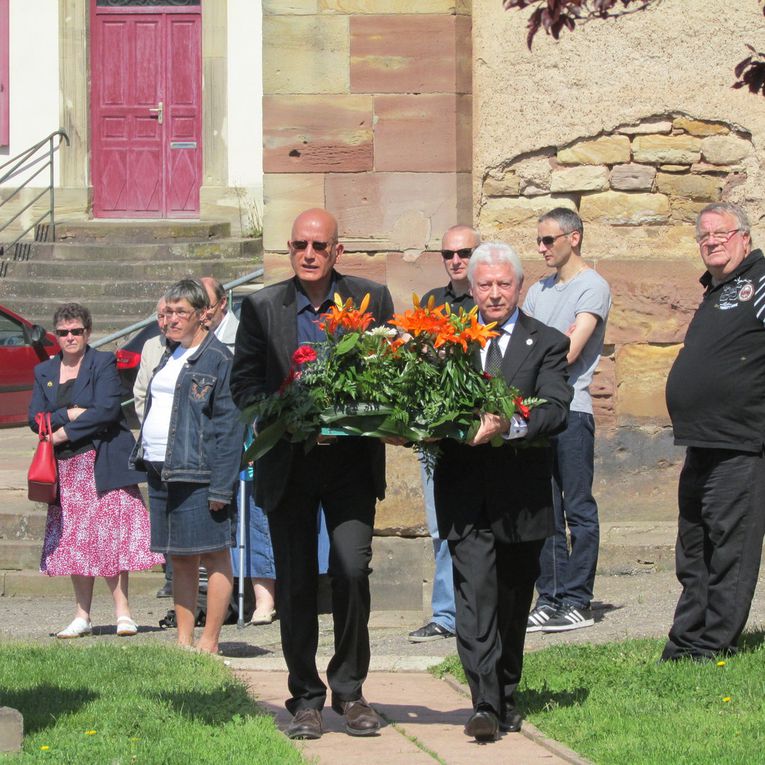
[134, 704]
[615, 705]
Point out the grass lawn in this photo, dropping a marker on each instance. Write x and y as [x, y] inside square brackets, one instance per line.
[615, 706]
[152, 705]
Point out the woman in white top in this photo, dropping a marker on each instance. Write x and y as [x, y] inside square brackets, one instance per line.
[190, 446]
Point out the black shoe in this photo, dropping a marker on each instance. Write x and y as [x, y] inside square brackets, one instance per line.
[569, 618]
[539, 617]
[512, 719]
[360, 718]
[431, 631]
[482, 725]
[166, 590]
[306, 724]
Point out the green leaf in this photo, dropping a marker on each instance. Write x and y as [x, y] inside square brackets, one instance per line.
[265, 441]
[348, 343]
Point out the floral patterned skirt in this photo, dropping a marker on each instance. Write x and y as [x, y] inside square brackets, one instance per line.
[90, 533]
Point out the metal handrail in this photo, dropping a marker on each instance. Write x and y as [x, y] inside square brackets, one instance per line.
[19, 164]
[228, 286]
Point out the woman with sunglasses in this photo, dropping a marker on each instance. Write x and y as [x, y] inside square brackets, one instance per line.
[98, 526]
[190, 446]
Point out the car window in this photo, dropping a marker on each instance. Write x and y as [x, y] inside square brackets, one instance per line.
[11, 332]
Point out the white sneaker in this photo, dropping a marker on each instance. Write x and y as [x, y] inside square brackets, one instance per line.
[79, 627]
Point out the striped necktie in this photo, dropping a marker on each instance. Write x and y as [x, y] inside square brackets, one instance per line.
[493, 365]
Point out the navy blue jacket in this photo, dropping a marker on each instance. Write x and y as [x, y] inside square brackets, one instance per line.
[205, 436]
[97, 389]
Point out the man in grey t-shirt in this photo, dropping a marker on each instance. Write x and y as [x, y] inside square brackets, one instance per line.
[576, 301]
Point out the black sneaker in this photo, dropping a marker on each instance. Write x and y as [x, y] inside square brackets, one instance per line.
[539, 616]
[569, 618]
[431, 631]
[166, 590]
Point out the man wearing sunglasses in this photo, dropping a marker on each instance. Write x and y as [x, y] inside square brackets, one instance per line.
[457, 246]
[576, 301]
[715, 400]
[346, 476]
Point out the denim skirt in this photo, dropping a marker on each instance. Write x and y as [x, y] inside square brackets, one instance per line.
[181, 520]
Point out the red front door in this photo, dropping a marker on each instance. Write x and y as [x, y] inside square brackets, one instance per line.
[146, 88]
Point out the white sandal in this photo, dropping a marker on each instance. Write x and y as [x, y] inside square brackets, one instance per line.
[126, 627]
[79, 627]
[262, 617]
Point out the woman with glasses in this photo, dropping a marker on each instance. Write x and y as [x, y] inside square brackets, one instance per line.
[98, 526]
[190, 446]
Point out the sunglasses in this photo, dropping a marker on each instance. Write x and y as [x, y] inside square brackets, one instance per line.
[464, 253]
[77, 331]
[301, 244]
[549, 241]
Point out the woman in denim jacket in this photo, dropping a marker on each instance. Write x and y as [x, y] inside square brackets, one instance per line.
[190, 447]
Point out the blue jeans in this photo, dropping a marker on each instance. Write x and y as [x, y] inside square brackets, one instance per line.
[567, 577]
[442, 599]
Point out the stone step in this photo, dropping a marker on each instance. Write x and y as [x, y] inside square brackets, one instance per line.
[22, 525]
[130, 252]
[141, 230]
[20, 554]
[31, 583]
[87, 291]
[151, 269]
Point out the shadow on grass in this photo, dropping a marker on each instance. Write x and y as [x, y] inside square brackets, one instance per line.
[532, 700]
[215, 708]
[42, 705]
[751, 641]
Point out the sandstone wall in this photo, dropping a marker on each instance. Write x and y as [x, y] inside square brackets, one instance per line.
[634, 123]
[379, 111]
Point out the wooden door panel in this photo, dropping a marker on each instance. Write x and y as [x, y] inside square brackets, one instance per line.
[143, 166]
[184, 147]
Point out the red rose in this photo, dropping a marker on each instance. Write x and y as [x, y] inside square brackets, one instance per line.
[522, 408]
[303, 355]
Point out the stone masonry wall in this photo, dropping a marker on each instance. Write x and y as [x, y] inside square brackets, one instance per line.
[367, 112]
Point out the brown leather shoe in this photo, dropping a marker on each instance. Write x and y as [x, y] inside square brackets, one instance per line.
[360, 718]
[305, 724]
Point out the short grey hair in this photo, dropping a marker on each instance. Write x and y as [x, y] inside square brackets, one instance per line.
[568, 220]
[725, 208]
[495, 252]
[190, 290]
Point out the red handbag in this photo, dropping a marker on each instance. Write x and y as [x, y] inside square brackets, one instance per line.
[42, 479]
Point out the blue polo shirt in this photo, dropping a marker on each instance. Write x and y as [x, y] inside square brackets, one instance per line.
[308, 330]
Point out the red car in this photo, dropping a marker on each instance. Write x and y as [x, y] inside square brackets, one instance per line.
[22, 346]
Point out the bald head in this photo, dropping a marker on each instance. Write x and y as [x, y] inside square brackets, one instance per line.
[218, 301]
[457, 245]
[314, 250]
[315, 219]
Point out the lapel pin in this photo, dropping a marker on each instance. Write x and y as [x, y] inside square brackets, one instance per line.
[529, 341]
[50, 383]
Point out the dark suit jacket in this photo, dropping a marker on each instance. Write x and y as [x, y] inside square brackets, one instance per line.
[265, 342]
[98, 390]
[510, 483]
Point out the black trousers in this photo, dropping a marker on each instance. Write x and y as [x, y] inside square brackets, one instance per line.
[721, 497]
[333, 476]
[493, 589]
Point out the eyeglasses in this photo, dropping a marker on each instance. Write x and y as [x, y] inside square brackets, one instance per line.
[718, 236]
[302, 244]
[77, 332]
[464, 253]
[181, 314]
[549, 241]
